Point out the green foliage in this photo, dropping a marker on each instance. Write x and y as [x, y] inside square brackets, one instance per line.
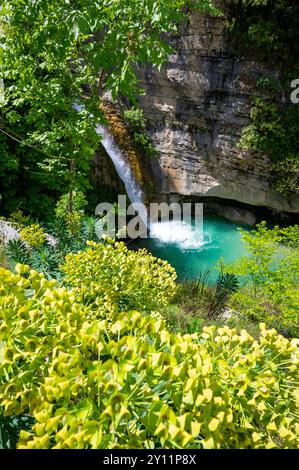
[112, 275]
[200, 302]
[227, 283]
[137, 123]
[20, 218]
[269, 84]
[93, 379]
[263, 33]
[286, 174]
[135, 117]
[34, 235]
[192, 308]
[43, 258]
[182, 319]
[271, 270]
[24, 184]
[46, 255]
[62, 207]
[274, 131]
[267, 132]
[17, 252]
[3, 257]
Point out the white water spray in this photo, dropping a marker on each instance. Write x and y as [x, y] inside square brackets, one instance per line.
[178, 232]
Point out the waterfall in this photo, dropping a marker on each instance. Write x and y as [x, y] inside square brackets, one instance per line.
[122, 167]
[179, 233]
[176, 232]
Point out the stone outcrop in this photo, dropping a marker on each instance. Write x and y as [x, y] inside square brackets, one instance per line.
[197, 106]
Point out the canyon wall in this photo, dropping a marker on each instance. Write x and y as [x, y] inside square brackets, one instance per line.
[196, 107]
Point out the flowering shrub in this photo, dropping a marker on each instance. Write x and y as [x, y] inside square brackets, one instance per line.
[111, 274]
[123, 380]
[34, 235]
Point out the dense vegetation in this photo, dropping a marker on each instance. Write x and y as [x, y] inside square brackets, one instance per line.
[267, 288]
[100, 347]
[92, 377]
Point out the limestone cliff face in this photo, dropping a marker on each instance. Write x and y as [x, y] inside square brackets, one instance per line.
[197, 106]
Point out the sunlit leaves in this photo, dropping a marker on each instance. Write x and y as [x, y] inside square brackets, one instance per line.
[53, 54]
[34, 235]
